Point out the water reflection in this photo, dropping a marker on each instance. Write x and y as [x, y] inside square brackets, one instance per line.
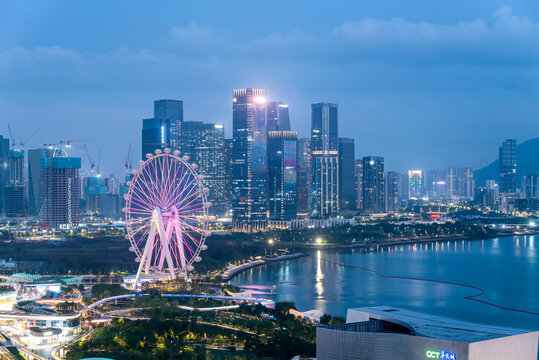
[319, 286]
[509, 274]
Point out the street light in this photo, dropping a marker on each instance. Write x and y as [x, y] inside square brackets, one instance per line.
[319, 240]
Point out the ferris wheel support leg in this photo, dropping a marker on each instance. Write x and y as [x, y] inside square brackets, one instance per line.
[182, 252]
[163, 236]
[147, 249]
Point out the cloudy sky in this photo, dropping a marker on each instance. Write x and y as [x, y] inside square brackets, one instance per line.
[424, 83]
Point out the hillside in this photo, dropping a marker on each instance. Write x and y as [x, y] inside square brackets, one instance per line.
[527, 163]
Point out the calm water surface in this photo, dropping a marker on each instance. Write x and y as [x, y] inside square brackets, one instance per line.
[507, 269]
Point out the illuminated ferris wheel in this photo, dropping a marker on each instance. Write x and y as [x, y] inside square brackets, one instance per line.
[166, 215]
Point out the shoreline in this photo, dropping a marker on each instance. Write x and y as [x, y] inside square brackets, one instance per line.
[235, 271]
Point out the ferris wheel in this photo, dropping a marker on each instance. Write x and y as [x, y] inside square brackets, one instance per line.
[166, 215]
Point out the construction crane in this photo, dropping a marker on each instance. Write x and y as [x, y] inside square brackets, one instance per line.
[12, 138]
[68, 143]
[128, 160]
[92, 162]
[23, 143]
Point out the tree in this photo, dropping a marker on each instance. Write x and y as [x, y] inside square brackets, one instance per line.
[325, 319]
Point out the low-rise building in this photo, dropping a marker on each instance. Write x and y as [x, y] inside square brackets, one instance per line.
[383, 333]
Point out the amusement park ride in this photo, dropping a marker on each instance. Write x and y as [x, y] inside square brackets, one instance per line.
[166, 215]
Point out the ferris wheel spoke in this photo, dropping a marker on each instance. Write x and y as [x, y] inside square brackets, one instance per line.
[193, 195]
[169, 181]
[176, 194]
[172, 191]
[152, 185]
[151, 182]
[143, 191]
[142, 205]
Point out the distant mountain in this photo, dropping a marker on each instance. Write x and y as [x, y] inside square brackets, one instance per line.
[527, 163]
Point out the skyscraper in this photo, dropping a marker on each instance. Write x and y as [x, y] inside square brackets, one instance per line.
[325, 160]
[4, 173]
[304, 176]
[530, 186]
[465, 182]
[392, 191]
[249, 168]
[359, 183]
[347, 183]
[205, 145]
[508, 166]
[171, 110]
[155, 135]
[282, 175]
[451, 183]
[16, 189]
[278, 116]
[228, 150]
[373, 184]
[415, 184]
[60, 189]
[34, 169]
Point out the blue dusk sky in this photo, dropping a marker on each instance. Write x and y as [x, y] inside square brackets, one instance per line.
[424, 83]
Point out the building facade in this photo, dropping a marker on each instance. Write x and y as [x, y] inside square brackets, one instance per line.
[373, 184]
[4, 173]
[171, 110]
[507, 163]
[304, 177]
[324, 160]
[60, 190]
[205, 145]
[415, 184]
[155, 135]
[278, 116]
[392, 191]
[16, 187]
[387, 333]
[282, 175]
[249, 164]
[347, 183]
[34, 173]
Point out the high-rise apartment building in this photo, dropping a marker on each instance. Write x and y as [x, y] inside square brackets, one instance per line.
[304, 176]
[415, 184]
[171, 110]
[392, 191]
[278, 116]
[325, 160]
[60, 189]
[282, 174]
[508, 166]
[249, 167]
[205, 145]
[347, 178]
[155, 135]
[373, 184]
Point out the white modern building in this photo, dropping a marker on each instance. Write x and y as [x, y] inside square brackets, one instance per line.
[383, 333]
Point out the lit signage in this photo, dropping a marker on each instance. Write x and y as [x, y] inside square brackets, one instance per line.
[441, 355]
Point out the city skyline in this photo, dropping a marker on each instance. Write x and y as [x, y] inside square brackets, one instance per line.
[108, 84]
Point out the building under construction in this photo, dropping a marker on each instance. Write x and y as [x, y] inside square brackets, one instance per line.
[60, 191]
